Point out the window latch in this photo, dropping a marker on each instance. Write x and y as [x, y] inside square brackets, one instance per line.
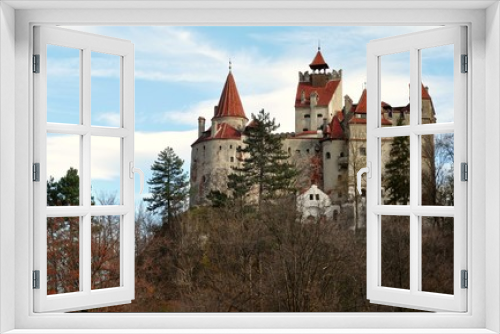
[133, 170]
[368, 171]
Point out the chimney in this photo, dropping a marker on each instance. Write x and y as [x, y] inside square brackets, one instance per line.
[314, 99]
[347, 104]
[201, 126]
[214, 128]
[324, 128]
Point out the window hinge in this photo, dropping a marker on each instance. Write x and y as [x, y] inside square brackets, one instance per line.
[36, 279]
[36, 172]
[36, 63]
[465, 64]
[465, 279]
[464, 172]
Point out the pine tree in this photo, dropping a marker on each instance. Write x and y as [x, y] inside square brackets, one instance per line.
[65, 191]
[169, 186]
[397, 170]
[265, 164]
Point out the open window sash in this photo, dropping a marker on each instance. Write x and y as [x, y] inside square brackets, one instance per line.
[82, 295]
[415, 297]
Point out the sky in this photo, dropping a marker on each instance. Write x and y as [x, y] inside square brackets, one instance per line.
[180, 72]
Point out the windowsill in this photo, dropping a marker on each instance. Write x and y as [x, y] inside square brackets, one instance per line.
[16, 270]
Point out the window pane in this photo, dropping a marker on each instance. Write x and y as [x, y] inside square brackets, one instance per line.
[105, 91]
[437, 84]
[437, 254]
[105, 252]
[437, 169]
[395, 251]
[394, 91]
[63, 255]
[63, 85]
[63, 177]
[395, 167]
[105, 170]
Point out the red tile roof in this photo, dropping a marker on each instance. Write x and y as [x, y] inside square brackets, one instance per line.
[425, 94]
[336, 129]
[318, 62]
[340, 115]
[325, 93]
[361, 107]
[385, 121]
[230, 102]
[224, 131]
[305, 133]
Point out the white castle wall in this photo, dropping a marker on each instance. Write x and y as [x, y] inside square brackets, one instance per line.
[211, 162]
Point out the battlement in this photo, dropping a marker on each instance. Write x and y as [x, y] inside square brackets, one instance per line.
[314, 76]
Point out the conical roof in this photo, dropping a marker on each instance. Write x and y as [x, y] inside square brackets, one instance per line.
[230, 102]
[318, 62]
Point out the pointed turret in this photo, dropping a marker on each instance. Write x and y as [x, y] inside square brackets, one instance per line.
[230, 102]
[318, 62]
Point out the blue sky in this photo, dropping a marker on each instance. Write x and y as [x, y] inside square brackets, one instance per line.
[180, 72]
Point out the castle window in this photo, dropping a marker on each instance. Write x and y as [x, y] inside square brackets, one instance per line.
[317, 197]
[341, 154]
[307, 150]
[231, 146]
[289, 150]
[307, 116]
[305, 129]
[362, 151]
[328, 155]
[311, 197]
[231, 159]
[320, 115]
[220, 148]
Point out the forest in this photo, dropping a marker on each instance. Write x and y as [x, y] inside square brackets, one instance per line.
[242, 255]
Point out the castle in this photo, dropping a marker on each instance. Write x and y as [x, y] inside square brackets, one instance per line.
[328, 145]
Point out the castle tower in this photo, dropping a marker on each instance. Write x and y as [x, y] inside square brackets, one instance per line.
[319, 96]
[214, 153]
[229, 109]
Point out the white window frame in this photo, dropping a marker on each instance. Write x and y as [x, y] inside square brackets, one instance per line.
[413, 44]
[86, 44]
[484, 23]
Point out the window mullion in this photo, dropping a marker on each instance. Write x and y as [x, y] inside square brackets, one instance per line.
[86, 252]
[415, 258]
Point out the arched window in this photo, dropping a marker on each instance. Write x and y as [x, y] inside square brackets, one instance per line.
[328, 155]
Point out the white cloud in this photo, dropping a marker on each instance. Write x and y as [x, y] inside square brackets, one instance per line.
[111, 118]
